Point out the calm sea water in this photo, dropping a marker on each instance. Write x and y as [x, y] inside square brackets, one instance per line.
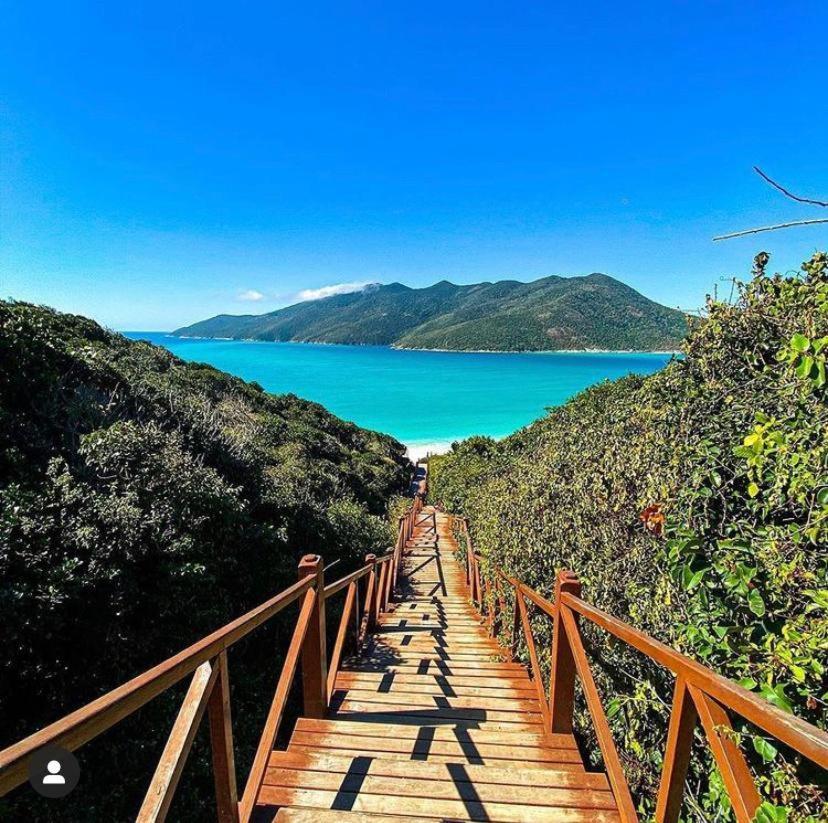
[423, 398]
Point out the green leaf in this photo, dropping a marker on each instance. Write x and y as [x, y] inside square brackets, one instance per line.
[820, 378]
[777, 696]
[805, 365]
[695, 580]
[755, 603]
[766, 750]
[769, 813]
[753, 489]
[800, 343]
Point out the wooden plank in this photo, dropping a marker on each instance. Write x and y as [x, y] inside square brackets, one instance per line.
[162, 787]
[368, 608]
[388, 659]
[683, 719]
[361, 751]
[221, 744]
[503, 775]
[448, 712]
[434, 664]
[341, 634]
[424, 745]
[733, 767]
[412, 786]
[426, 717]
[314, 651]
[448, 687]
[337, 586]
[533, 657]
[536, 738]
[277, 707]
[615, 772]
[562, 672]
[506, 682]
[428, 807]
[441, 701]
[326, 816]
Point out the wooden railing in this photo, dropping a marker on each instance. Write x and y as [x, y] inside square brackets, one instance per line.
[369, 590]
[700, 695]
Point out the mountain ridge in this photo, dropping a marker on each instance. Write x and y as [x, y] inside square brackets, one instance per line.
[553, 313]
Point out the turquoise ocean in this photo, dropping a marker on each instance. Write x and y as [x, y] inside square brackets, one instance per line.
[426, 399]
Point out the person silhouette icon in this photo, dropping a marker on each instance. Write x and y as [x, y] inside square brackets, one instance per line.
[54, 778]
[53, 772]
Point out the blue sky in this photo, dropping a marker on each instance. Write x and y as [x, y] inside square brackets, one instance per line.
[161, 162]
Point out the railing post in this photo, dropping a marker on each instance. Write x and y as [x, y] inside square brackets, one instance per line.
[221, 741]
[314, 653]
[497, 603]
[515, 625]
[562, 678]
[367, 622]
[398, 553]
[683, 719]
[380, 602]
[464, 527]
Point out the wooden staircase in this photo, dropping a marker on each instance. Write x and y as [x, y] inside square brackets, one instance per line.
[430, 718]
[431, 721]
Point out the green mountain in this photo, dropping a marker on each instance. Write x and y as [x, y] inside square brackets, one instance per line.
[591, 312]
[145, 501]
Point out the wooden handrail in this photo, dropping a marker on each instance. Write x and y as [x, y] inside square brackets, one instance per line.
[701, 695]
[277, 708]
[77, 728]
[209, 690]
[800, 735]
[334, 588]
[612, 763]
[165, 780]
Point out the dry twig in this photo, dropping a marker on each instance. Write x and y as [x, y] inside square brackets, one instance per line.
[786, 192]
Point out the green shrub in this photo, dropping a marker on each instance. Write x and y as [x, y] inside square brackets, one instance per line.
[694, 504]
[145, 502]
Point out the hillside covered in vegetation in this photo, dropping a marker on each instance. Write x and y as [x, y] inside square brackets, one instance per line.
[694, 504]
[144, 502]
[555, 313]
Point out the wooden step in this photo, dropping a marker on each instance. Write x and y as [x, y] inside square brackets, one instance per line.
[490, 774]
[430, 807]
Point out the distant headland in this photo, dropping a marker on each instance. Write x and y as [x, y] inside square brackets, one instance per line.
[593, 312]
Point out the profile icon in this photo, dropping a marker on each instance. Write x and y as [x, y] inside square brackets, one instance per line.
[53, 771]
[54, 777]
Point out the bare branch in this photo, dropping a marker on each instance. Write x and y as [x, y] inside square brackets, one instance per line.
[786, 192]
[772, 228]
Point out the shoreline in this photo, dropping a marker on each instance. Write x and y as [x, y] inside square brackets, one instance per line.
[417, 451]
[541, 351]
[417, 348]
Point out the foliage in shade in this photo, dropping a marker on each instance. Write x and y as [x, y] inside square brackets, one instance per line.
[694, 504]
[554, 313]
[144, 502]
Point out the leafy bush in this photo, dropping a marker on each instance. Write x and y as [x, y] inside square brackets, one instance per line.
[144, 502]
[694, 504]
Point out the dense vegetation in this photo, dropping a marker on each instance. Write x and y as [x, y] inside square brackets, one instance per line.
[693, 503]
[593, 312]
[144, 502]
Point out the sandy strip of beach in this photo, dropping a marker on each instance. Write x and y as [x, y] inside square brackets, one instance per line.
[417, 451]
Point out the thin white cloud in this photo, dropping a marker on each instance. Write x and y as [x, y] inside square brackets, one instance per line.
[250, 296]
[330, 291]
